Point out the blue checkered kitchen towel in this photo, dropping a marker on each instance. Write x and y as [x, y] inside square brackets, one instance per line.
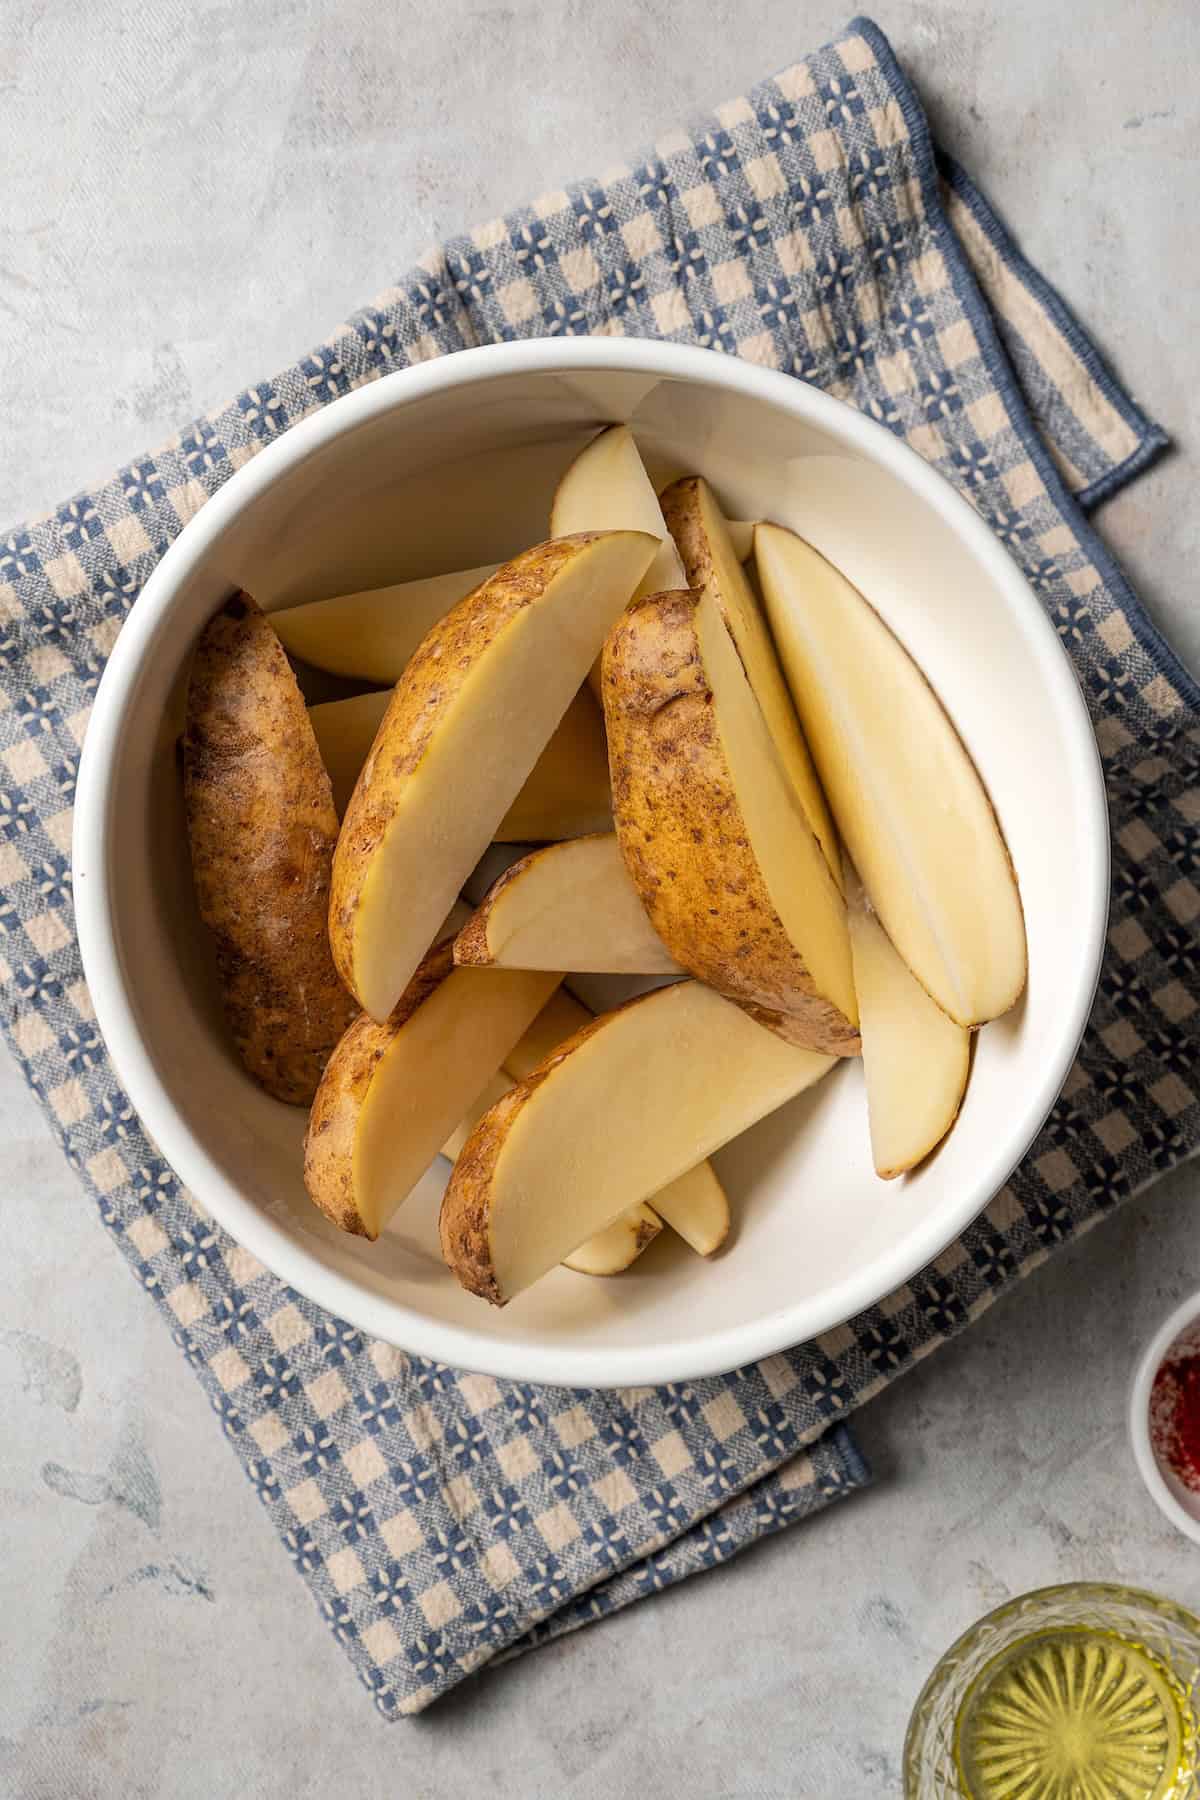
[442, 1519]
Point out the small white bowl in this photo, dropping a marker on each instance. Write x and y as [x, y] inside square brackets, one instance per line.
[1176, 1502]
[453, 463]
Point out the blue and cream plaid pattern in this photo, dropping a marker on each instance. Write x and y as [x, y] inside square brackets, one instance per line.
[440, 1518]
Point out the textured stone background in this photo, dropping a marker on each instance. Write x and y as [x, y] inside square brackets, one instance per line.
[192, 194]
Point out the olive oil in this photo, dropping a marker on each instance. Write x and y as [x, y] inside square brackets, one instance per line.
[1073, 1713]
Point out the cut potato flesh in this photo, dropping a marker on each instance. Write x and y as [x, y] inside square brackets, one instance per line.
[468, 720]
[906, 797]
[795, 872]
[915, 1058]
[618, 1246]
[495, 1090]
[630, 1103]
[741, 536]
[561, 1017]
[566, 794]
[452, 1046]
[712, 564]
[694, 1205]
[393, 1093]
[696, 1208]
[569, 906]
[345, 731]
[371, 635]
[607, 488]
[610, 1252]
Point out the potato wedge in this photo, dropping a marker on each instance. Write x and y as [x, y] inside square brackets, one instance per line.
[371, 635]
[468, 719]
[618, 1246]
[569, 906]
[694, 1205]
[915, 1058]
[629, 1103]
[607, 488]
[261, 829]
[493, 1090]
[392, 1093]
[566, 794]
[610, 1252]
[561, 1017]
[908, 801]
[345, 731]
[696, 1208]
[702, 538]
[741, 536]
[711, 830]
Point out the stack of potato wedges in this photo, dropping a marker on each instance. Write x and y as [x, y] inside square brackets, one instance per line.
[725, 773]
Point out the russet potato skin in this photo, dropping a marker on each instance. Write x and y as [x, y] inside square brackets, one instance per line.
[430, 683]
[463, 1220]
[646, 1234]
[682, 833]
[261, 828]
[333, 1121]
[471, 945]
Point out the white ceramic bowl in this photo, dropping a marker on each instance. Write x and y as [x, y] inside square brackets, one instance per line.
[451, 464]
[1179, 1333]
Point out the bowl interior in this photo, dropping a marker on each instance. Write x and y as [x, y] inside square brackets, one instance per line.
[465, 475]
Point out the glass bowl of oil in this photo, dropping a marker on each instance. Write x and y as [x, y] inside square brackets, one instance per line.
[1082, 1692]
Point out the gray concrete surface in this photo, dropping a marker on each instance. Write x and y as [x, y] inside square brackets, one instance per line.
[190, 195]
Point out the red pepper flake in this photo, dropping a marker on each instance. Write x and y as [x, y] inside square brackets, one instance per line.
[1175, 1417]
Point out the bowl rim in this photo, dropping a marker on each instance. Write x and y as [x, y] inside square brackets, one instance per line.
[464, 1346]
[1138, 1415]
